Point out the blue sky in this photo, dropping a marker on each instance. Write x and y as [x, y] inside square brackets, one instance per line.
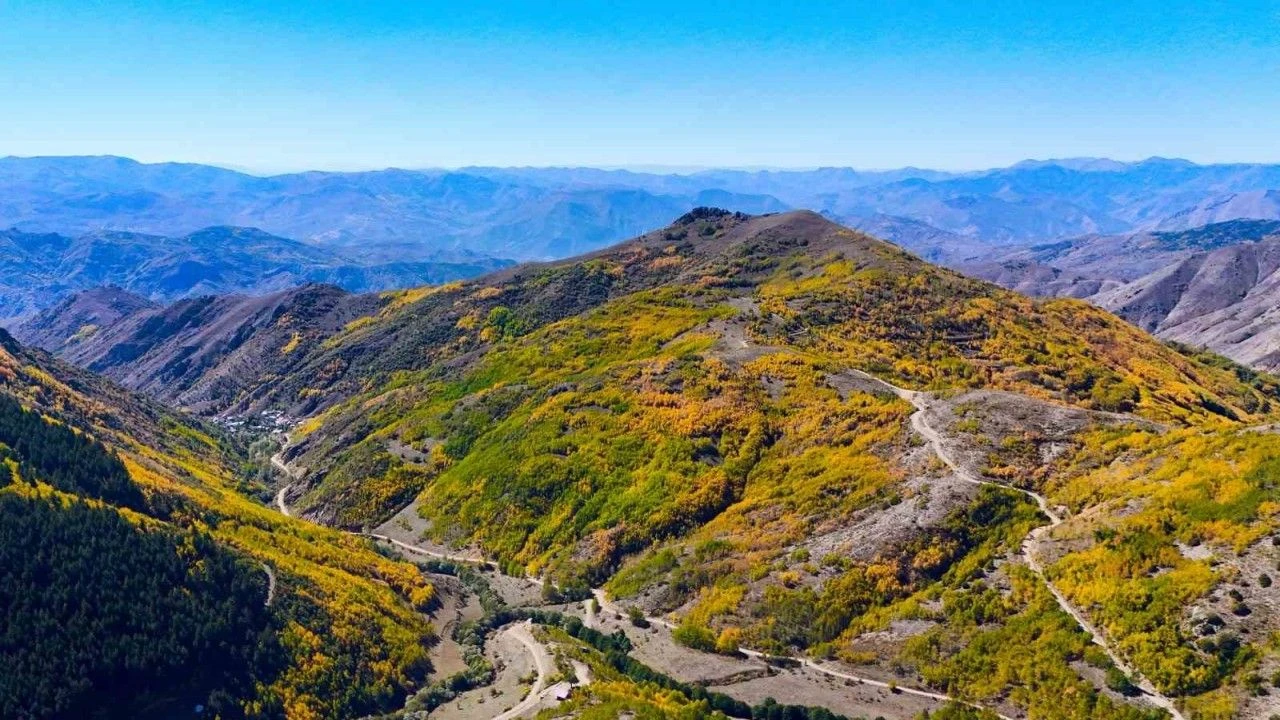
[281, 86]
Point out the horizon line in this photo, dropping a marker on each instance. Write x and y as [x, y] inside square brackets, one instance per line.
[639, 168]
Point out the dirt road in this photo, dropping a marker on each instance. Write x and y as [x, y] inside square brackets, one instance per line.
[920, 423]
[541, 660]
[271, 584]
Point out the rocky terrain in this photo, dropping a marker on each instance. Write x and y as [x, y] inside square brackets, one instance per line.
[1210, 287]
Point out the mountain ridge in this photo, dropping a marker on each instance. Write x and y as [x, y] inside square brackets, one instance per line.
[536, 213]
[786, 435]
[38, 269]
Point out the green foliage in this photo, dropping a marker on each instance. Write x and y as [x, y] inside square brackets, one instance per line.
[63, 458]
[695, 636]
[101, 614]
[1029, 651]
[182, 551]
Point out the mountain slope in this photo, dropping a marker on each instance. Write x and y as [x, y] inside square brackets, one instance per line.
[39, 269]
[1110, 259]
[140, 580]
[79, 316]
[1209, 286]
[700, 419]
[198, 354]
[1255, 204]
[1225, 299]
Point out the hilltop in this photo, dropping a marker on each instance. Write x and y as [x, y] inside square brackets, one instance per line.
[683, 417]
[781, 434]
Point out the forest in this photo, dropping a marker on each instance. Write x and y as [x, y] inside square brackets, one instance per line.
[107, 617]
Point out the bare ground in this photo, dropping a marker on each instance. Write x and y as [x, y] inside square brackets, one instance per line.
[516, 669]
[456, 606]
[752, 680]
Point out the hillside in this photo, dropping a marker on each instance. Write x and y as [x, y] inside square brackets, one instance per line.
[141, 579]
[789, 436]
[79, 316]
[1209, 286]
[1225, 300]
[197, 354]
[1258, 204]
[1109, 259]
[38, 270]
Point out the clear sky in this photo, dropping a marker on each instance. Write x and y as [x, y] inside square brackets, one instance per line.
[278, 85]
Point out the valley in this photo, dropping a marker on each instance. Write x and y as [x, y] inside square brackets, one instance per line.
[768, 460]
[639, 361]
[1002, 444]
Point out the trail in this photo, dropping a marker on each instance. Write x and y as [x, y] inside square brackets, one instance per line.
[541, 660]
[607, 605]
[473, 559]
[271, 584]
[920, 423]
[284, 509]
[278, 463]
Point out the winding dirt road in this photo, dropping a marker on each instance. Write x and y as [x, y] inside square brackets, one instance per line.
[279, 464]
[920, 423]
[472, 559]
[541, 660]
[806, 663]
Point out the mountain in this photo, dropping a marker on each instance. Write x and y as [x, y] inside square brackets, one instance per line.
[37, 270]
[1256, 204]
[79, 316]
[774, 433]
[391, 214]
[685, 418]
[1110, 258]
[196, 353]
[783, 434]
[1225, 299]
[1209, 286]
[930, 243]
[543, 213]
[142, 579]
[1031, 277]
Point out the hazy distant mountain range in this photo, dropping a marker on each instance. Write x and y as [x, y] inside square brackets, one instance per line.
[36, 269]
[1080, 227]
[538, 213]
